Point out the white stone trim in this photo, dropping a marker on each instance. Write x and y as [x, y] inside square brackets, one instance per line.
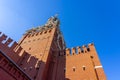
[98, 67]
[60, 35]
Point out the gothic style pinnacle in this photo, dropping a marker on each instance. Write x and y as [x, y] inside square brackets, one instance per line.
[52, 22]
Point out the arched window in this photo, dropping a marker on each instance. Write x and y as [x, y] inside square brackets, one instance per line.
[84, 68]
[74, 68]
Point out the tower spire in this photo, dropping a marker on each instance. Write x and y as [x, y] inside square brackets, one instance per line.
[53, 21]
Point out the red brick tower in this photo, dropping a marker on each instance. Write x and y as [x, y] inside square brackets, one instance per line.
[41, 54]
[45, 48]
[82, 63]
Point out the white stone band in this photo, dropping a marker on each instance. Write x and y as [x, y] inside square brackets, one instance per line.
[98, 67]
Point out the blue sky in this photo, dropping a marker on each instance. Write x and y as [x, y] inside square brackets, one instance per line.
[82, 22]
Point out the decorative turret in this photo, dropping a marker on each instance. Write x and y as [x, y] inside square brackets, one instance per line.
[52, 22]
